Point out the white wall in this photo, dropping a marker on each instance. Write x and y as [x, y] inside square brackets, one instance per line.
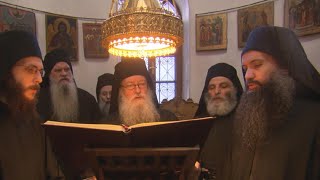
[195, 64]
[184, 8]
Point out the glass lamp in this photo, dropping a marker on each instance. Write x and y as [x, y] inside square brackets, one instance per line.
[142, 28]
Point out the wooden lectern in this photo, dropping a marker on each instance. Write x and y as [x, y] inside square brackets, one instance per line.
[159, 150]
[170, 163]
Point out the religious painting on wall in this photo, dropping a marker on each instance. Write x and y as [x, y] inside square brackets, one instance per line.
[17, 19]
[62, 32]
[211, 32]
[302, 16]
[252, 17]
[92, 41]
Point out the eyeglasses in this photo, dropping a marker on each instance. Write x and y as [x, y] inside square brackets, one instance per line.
[31, 69]
[131, 86]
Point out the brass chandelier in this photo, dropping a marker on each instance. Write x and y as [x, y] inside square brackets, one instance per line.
[142, 28]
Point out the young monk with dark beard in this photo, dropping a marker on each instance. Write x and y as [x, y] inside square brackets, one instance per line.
[22, 145]
[277, 124]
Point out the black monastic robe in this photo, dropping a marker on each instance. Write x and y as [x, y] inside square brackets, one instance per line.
[22, 152]
[292, 152]
[215, 155]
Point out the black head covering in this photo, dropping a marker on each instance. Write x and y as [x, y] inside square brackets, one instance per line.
[126, 68]
[220, 69]
[284, 46]
[51, 59]
[15, 45]
[104, 80]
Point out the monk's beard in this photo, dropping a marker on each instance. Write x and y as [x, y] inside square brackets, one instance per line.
[221, 108]
[19, 105]
[104, 108]
[64, 99]
[263, 110]
[134, 111]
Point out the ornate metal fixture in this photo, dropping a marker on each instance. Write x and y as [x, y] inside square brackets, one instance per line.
[142, 28]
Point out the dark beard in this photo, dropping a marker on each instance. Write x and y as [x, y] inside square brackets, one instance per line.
[20, 107]
[263, 110]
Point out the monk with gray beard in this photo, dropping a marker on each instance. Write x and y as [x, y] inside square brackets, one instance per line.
[220, 96]
[104, 108]
[103, 93]
[133, 98]
[60, 99]
[64, 101]
[277, 127]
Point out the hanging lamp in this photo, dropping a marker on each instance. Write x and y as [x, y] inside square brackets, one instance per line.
[142, 28]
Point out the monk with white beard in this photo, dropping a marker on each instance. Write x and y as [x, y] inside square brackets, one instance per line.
[133, 98]
[60, 99]
[220, 96]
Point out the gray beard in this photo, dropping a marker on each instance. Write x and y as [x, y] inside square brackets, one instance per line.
[135, 112]
[221, 108]
[261, 111]
[64, 98]
[104, 108]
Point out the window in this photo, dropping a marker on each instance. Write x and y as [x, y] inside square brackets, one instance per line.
[166, 73]
[163, 72]
[168, 6]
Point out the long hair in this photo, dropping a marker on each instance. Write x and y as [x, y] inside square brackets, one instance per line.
[20, 107]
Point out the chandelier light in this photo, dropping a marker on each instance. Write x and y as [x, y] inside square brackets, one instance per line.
[142, 28]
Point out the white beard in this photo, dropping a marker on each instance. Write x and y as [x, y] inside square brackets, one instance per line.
[104, 108]
[223, 107]
[132, 111]
[64, 99]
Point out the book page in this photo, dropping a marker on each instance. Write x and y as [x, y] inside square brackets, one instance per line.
[168, 122]
[111, 127]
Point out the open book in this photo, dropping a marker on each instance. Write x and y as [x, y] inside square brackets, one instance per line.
[180, 133]
[70, 139]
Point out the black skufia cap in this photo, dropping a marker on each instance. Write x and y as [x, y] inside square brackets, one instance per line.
[15, 45]
[51, 59]
[285, 47]
[126, 68]
[222, 70]
[104, 80]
